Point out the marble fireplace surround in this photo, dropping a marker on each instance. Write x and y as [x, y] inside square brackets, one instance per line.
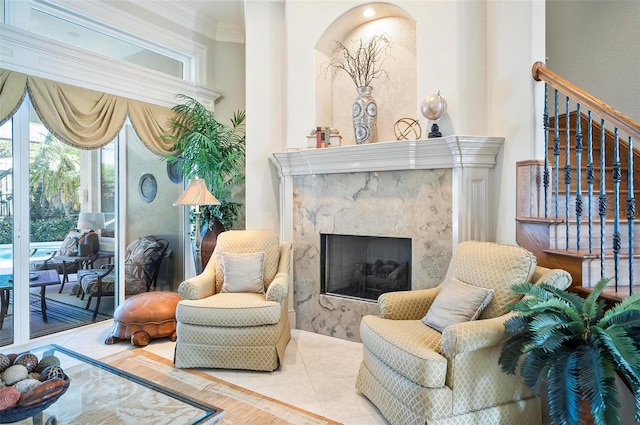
[436, 192]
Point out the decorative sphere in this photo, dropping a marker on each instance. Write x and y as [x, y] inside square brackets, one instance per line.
[28, 360]
[51, 372]
[433, 106]
[47, 361]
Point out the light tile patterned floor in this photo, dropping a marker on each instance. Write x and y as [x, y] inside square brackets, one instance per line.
[318, 374]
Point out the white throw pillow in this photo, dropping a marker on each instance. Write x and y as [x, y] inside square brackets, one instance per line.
[456, 302]
[243, 272]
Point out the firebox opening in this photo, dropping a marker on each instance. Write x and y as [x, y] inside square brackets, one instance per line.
[364, 267]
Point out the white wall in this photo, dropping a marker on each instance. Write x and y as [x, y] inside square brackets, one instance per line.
[515, 31]
[265, 106]
[479, 54]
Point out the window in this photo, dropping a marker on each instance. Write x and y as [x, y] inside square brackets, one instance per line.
[78, 35]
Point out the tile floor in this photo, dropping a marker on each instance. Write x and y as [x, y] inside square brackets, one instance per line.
[318, 374]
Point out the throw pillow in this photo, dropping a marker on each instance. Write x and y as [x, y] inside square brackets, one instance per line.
[456, 302]
[243, 272]
[70, 244]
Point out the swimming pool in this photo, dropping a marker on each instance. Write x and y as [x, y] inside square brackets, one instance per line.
[43, 250]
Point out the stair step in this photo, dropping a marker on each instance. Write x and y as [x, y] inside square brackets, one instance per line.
[609, 294]
[590, 265]
[558, 234]
[595, 200]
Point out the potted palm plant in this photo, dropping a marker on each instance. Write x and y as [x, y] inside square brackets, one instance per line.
[577, 347]
[214, 152]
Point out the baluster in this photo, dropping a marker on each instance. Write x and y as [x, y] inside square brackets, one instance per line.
[545, 174]
[556, 153]
[617, 176]
[602, 199]
[590, 177]
[578, 175]
[631, 213]
[567, 171]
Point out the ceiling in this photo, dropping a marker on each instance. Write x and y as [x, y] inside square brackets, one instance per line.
[222, 20]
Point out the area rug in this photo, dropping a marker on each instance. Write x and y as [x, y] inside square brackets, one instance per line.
[241, 406]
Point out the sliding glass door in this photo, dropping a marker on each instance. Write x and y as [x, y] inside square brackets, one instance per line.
[6, 233]
[52, 196]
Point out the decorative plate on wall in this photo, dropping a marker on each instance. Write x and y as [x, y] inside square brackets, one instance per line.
[172, 171]
[148, 187]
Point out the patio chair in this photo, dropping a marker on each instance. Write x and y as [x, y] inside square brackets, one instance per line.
[141, 265]
[65, 260]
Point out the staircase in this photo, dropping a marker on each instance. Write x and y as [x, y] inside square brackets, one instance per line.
[583, 218]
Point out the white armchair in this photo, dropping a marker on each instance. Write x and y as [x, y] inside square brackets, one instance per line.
[416, 374]
[234, 314]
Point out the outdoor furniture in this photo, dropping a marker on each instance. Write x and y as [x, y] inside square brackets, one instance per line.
[69, 258]
[234, 314]
[141, 265]
[420, 366]
[37, 279]
[73, 263]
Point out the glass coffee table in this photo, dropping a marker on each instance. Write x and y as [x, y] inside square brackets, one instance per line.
[101, 394]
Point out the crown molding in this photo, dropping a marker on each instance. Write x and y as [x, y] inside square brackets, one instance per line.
[193, 19]
[229, 33]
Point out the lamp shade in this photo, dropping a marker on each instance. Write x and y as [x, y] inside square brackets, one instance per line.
[90, 220]
[196, 193]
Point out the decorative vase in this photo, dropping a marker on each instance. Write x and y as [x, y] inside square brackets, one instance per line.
[364, 113]
[210, 232]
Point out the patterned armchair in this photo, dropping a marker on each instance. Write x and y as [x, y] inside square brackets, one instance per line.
[234, 314]
[416, 374]
[141, 265]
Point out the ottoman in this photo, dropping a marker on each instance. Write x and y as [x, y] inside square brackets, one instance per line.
[145, 316]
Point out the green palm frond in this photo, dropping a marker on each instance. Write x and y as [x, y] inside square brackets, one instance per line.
[530, 289]
[213, 151]
[577, 345]
[534, 368]
[572, 299]
[591, 302]
[511, 351]
[553, 306]
[594, 382]
[517, 324]
[620, 346]
[629, 304]
[564, 392]
[629, 318]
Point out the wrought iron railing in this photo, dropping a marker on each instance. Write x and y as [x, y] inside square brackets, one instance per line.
[609, 155]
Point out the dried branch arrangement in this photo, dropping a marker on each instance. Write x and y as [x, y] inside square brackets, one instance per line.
[364, 63]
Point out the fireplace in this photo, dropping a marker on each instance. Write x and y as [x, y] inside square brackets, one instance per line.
[434, 192]
[364, 267]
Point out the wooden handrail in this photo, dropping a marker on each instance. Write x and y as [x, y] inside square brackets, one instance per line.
[624, 123]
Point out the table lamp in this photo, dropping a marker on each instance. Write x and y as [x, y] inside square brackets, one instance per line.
[90, 221]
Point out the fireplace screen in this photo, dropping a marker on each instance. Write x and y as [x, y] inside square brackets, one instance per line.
[364, 266]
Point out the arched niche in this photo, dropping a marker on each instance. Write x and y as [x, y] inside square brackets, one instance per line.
[395, 91]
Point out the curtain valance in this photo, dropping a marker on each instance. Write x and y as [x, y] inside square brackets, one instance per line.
[83, 118]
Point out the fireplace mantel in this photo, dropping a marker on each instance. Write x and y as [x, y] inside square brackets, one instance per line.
[468, 194]
[441, 152]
